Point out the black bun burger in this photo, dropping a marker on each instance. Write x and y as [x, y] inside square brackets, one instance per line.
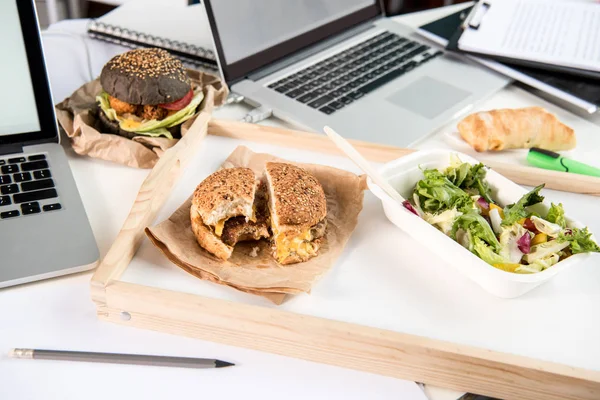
[146, 92]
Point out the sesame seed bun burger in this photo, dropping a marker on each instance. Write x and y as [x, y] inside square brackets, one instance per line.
[146, 92]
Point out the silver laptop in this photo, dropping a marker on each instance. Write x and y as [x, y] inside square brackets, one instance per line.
[44, 230]
[341, 63]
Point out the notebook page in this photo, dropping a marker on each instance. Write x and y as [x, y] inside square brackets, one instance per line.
[186, 24]
[563, 33]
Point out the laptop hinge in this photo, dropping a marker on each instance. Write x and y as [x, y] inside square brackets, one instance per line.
[10, 149]
[310, 51]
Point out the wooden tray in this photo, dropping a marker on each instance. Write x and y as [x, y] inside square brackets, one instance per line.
[314, 336]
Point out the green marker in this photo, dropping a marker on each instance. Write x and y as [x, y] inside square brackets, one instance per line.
[550, 160]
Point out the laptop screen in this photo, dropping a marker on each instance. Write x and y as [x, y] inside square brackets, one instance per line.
[18, 110]
[250, 34]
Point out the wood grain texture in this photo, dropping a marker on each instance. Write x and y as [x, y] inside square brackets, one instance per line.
[520, 174]
[154, 191]
[347, 345]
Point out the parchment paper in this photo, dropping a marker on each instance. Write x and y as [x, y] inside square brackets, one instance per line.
[77, 116]
[261, 275]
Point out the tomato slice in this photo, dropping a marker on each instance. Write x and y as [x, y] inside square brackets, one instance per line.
[181, 103]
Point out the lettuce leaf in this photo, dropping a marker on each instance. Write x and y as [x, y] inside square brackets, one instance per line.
[580, 240]
[153, 128]
[516, 211]
[477, 228]
[436, 194]
[486, 253]
[556, 215]
[470, 178]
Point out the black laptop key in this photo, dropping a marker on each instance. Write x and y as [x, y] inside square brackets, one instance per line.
[346, 100]
[307, 97]
[2, 162]
[345, 89]
[37, 157]
[354, 84]
[52, 207]
[22, 177]
[10, 214]
[355, 95]
[33, 165]
[362, 80]
[293, 93]
[327, 110]
[42, 174]
[321, 101]
[37, 185]
[281, 89]
[382, 80]
[30, 208]
[9, 189]
[5, 179]
[10, 169]
[336, 104]
[16, 160]
[5, 201]
[35, 196]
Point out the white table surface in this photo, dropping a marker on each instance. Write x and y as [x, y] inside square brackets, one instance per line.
[58, 314]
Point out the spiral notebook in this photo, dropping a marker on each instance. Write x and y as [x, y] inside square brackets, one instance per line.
[182, 30]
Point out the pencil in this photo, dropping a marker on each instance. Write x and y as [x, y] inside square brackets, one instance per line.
[116, 358]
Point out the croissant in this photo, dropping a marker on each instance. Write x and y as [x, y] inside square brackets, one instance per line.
[516, 129]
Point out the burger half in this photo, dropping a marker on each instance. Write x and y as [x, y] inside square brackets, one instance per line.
[298, 208]
[146, 92]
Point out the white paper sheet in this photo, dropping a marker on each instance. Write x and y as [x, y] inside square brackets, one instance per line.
[555, 32]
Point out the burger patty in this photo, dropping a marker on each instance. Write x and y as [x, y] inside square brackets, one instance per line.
[239, 230]
[145, 112]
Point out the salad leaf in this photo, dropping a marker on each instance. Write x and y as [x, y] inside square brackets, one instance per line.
[436, 193]
[543, 250]
[556, 215]
[476, 227]
[153, 128]
[486, 253]
[444, 220]
[470, 178]
[509, 240]
[580, 240]
[516, 211]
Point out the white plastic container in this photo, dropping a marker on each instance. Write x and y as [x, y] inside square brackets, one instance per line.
[404, 173]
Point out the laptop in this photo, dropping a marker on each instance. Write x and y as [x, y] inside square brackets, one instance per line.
[342, 63]
[44, 230]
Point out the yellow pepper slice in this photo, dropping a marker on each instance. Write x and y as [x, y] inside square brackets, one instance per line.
[507, 267]
[500, 210]
[539, 238]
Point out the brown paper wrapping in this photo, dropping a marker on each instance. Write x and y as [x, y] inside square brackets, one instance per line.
[77, 116]
[261, 275]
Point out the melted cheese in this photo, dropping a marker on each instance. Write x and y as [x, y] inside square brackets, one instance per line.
[130, 124]
[300, 244]
[219, 227]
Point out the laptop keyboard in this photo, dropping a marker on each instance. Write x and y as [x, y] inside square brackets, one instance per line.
[24, 184]
[337, 81]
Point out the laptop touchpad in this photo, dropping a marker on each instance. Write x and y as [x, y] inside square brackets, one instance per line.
[428, 97]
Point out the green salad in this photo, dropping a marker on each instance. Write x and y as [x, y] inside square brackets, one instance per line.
[458, 201]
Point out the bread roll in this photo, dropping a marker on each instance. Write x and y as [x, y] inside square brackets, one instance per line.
[516, 129]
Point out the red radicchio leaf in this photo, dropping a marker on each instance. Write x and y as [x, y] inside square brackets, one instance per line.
[483, 204]
[524, 243]
[410, 207]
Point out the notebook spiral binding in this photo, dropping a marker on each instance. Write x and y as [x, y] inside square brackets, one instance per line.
[188, 54]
